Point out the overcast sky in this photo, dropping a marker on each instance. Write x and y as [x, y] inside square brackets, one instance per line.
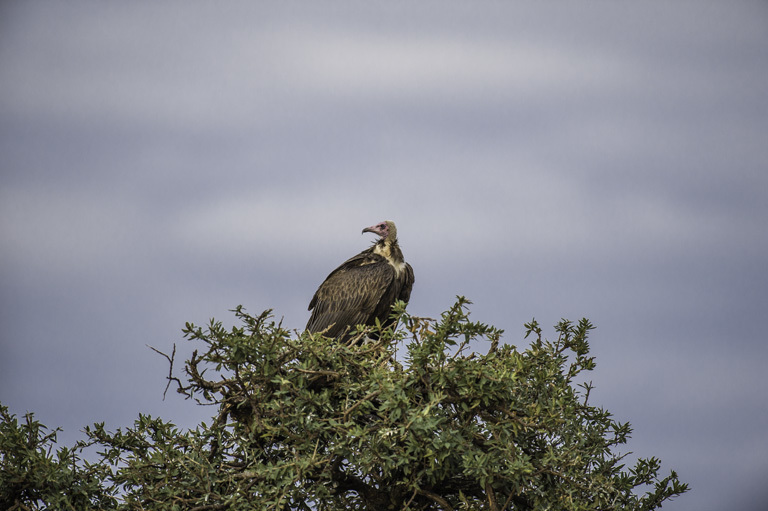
[163, 162]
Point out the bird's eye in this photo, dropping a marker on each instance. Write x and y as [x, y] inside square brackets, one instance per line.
[382, 226]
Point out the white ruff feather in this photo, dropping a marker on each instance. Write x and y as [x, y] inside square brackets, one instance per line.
[385, 252]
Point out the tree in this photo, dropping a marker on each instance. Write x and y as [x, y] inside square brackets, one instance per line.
[32, 477]
[307, 422]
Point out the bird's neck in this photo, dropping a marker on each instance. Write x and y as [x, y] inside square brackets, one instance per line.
[390, 250]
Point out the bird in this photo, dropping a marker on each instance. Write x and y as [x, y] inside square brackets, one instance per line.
[363, 288]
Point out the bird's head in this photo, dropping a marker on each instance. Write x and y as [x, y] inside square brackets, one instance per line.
[385, 229]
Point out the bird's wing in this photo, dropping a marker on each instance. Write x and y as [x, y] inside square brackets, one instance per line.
[349, 295]
[408, 280]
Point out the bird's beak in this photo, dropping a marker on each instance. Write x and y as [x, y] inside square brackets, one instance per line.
[369, 229]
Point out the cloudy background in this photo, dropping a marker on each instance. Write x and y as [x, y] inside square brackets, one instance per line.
[165, 162]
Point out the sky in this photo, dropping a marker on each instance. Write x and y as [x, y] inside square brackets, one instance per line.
[164, 162]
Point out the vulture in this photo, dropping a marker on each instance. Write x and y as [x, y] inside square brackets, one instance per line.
[363, 289]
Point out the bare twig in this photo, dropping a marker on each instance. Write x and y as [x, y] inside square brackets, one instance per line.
[323, 372]
[170, 360]
[437, 498]
[407, 504]
[366, 398]
[509, 499]
[492, 502]
[211, 507]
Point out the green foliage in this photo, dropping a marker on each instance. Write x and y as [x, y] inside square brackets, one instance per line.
[308, 422]
[32, 477]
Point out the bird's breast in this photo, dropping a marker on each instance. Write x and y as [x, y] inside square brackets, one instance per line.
[385, 251]
[399, 267]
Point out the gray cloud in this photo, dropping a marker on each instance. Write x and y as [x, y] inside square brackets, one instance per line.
[164, 163]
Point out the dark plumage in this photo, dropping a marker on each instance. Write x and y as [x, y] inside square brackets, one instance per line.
[363, 288]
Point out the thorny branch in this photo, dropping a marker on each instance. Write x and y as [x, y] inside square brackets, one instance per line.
[170, 377]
